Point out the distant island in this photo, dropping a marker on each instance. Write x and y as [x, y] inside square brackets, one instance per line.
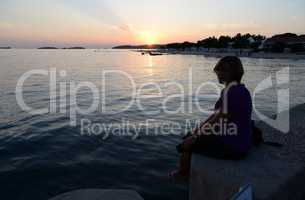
[61, 48]
[74, 48]
[5, 47]
[47, 48]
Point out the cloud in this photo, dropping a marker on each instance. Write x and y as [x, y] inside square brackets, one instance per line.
[125, 28]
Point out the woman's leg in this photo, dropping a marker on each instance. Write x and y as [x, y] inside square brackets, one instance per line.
[185, 163]
[201, 145]
[182, 174]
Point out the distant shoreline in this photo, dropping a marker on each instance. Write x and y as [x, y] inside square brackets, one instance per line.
[61, 48]
[262, 55]
[280, 46]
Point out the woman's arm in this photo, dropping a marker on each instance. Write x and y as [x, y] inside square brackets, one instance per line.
[188, 141]
[215, 118]
[194, 132]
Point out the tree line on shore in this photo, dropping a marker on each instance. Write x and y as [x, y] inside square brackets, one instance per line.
[277, 43]
[239, 41]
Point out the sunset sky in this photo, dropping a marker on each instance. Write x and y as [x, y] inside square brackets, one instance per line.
[104, 23]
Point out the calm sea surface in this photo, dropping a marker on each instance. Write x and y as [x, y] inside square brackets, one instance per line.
[42, 156]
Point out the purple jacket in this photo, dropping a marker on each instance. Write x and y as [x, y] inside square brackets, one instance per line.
[236, 132]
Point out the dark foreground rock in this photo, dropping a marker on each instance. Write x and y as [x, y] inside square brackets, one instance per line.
[98, 194]
[273, 172]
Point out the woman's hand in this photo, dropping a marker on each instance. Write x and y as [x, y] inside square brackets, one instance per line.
[187, 143]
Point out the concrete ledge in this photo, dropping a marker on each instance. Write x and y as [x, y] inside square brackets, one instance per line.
[273, 172]
[98, 194]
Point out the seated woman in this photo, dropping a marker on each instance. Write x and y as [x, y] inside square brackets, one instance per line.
[227, 133]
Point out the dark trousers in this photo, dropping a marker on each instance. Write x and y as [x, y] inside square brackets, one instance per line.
[212, 146]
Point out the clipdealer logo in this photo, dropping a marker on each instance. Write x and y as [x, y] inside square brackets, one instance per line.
[58, 91]
[281, 122]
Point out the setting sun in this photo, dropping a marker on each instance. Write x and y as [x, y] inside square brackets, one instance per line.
[148, 37]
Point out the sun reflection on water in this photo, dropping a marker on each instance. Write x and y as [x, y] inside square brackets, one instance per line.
[149, 66]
